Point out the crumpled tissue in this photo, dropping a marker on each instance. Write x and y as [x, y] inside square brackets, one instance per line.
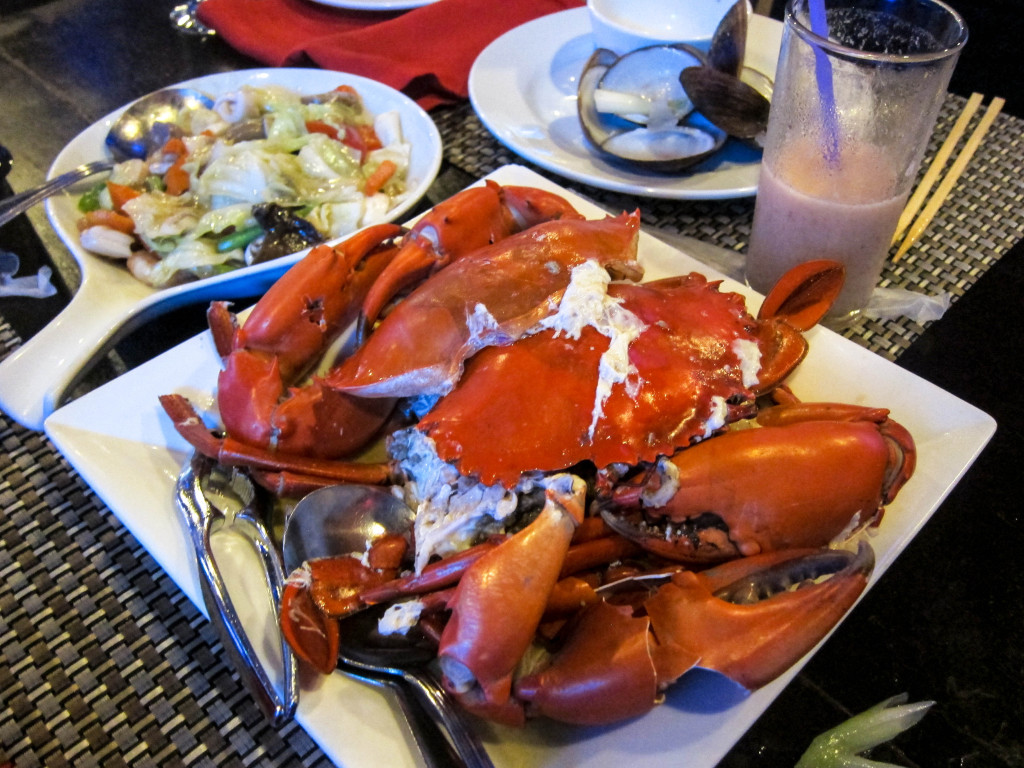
[36, 286]
[889, 303]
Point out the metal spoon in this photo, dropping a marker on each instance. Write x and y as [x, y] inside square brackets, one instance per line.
[434, 747]
[341, 519]
[363, 647]
[142, 128]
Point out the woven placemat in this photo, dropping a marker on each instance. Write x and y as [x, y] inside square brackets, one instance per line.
[104, 662]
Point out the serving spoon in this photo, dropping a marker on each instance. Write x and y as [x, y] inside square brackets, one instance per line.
[341, 519]
[142, 128]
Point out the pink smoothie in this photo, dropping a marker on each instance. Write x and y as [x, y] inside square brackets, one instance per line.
[806, 210]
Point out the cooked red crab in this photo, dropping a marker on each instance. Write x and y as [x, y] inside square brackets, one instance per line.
[546, 369]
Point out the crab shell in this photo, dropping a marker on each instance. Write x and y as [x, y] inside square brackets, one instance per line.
[490, 296]
[530, 406]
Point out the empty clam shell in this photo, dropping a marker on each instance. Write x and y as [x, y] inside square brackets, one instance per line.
[665, 142]
[729, 43]
[728, 102]
[651, 74]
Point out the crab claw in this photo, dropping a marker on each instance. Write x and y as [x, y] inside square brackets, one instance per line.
[795, 304]
[481, 647]
[753, 628]
[604, 673]
[286, 333]
[744, 620]
[805, 293]
[813, 477]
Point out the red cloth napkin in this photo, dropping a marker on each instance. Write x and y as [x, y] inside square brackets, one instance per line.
[426, 52]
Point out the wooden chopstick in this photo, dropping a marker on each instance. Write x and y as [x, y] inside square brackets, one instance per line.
[946, 185]
[928, 181]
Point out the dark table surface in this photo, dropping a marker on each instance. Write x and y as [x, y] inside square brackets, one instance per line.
[945, 623]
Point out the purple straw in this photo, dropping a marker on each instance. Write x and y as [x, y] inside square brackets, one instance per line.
[823, 73]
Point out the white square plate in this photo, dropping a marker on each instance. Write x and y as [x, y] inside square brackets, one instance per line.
[124, 446]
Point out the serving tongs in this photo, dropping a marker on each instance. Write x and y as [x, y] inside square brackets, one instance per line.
[213, 498]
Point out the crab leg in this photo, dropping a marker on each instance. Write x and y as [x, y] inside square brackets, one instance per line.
[443, 573]
[234, 453]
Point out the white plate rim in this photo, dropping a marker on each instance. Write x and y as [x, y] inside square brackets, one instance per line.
[518, 99]
[704, 716]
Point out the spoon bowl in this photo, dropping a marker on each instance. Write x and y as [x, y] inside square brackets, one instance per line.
[411, 659]
[148, 123]
[142, 129]
[340, 519]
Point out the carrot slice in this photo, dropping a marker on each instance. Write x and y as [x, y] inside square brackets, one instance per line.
[121, 194]
[379, 177]
[174, 146]
[176, 179]
[371, 140]
[362, 138]
[101, 217]
[319, 126]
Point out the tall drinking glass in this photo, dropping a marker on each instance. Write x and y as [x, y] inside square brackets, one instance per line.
[857, 93]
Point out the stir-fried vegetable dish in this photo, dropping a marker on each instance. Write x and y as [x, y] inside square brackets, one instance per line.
[262, 173]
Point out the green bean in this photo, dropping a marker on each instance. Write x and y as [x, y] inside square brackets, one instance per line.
[238, 239]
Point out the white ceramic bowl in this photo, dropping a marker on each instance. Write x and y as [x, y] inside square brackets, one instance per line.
[625, 25]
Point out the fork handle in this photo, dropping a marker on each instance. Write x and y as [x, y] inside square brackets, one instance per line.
[18, 204]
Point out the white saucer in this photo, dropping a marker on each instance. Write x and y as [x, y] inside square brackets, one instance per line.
[523, 88]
